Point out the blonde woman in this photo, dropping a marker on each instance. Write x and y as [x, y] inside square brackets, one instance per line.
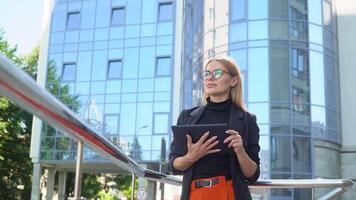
[209, 174]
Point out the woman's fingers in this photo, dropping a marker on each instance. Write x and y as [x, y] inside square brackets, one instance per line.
[213, 151]
[189, 141]
[210, 146]
[209, 141]
[203, 138]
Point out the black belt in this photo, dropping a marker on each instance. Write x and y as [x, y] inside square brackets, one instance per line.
[206, 183]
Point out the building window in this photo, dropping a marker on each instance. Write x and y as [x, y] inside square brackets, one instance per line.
[298, 96]
[114, 69]
[160, 123]
[163, 66]
[69, 72]
[165, 11]
[299, 64]
[111, 124]
[118, 16]
[73, 20]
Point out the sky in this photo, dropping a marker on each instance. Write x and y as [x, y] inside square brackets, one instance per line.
[21, 20]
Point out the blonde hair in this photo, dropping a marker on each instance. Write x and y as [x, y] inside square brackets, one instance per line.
[236, 91]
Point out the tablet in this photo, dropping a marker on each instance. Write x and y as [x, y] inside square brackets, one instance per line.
[196, 131]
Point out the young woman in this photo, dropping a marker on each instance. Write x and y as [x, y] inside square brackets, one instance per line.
[207, 173]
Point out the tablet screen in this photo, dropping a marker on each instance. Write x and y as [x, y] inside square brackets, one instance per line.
[196, 131]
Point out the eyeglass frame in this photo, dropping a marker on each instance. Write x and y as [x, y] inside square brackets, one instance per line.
[211, 74]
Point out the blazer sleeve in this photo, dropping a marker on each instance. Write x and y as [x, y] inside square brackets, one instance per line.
[173, 153]
[253, 148]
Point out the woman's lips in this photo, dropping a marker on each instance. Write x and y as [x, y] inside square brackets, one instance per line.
[210, 85]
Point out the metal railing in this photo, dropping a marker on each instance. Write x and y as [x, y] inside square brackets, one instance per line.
[24, 91]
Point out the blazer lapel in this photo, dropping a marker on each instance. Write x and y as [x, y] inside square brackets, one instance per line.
[236, 121]
[195, 115]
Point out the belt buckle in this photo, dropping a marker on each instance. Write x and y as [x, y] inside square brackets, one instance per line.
[210, 183]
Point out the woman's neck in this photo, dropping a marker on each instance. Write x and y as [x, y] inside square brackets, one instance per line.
[220, 98]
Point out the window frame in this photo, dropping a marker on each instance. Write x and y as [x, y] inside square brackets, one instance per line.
[170, 66]
[63, 69]
[68, 18]
[159, 11]
[112, 15]
[108, 69]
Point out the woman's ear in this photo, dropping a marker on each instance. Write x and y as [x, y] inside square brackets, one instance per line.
[233, 82]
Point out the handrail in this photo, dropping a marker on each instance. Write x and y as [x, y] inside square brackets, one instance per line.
[340, 185]
[26, 93]
[23, 90]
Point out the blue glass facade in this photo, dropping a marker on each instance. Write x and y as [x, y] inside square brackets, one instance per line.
[113, 61]
[287, 52]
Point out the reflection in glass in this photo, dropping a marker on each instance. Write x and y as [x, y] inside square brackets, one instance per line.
[101, 34]
[298, 10]
[318, 116]
[112, 108]
[279, 74]
[257, 30]
[129, 86]
[103, 13]
[278, 30]
[97, 87]
[281, 193]
[327, 14]
[301, 155]
[88, 15]
[238, 10]
[127, 118]
[99, 65]
[163, 106]
[238, 32]
[315, 34]
[111, 123]
[298, 30]
[314, 11]
[144, 118]
[280, 114]
[113, 86]
[280, 154]
[163, 84]
[82, 88]
[149, 11]
[148, 30]
[112, 98]
[257, 9]
[161, 123]
[133, 13]
[130, 62]
[240, 57]
[145, 85]
[258, 74]
[317, 89]
[261, 110]
[278, 9]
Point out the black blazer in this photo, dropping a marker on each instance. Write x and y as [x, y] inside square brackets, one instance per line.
[245, 124]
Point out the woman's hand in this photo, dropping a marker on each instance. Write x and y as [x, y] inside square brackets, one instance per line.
[235, 141]
[201, 148]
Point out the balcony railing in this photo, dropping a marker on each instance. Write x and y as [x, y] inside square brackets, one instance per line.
[24, 91]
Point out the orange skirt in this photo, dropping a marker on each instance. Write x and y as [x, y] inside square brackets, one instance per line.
[213, 188]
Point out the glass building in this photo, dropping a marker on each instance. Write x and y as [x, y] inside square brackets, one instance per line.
[112, 62]
[287, 52]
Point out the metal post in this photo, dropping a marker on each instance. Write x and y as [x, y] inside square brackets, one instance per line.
[133, 187]
[78, 171]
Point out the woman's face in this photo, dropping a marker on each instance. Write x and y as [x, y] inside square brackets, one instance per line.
[218, 87]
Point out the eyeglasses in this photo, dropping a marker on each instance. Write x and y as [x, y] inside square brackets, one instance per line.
[217, 73]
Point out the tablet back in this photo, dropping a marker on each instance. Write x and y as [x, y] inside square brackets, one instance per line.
[198, 130]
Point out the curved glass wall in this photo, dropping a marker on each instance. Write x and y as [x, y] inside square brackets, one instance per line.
[287, 52]
[111, 62]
